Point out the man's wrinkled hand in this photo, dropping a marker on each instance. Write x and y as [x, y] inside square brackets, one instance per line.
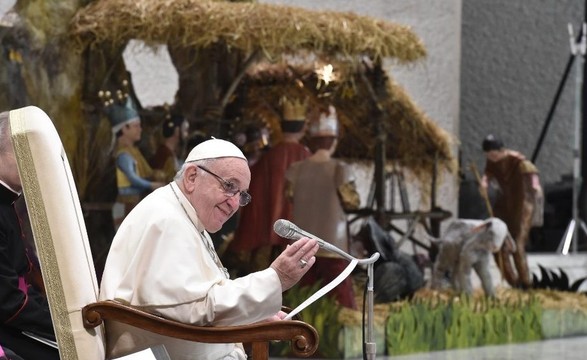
[295, 261]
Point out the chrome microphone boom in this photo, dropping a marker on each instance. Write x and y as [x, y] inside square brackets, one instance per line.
[289, 230]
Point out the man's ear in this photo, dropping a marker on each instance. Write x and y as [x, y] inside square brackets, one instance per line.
[189, 178]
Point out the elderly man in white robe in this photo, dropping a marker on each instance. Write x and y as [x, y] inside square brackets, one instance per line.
[162, 259]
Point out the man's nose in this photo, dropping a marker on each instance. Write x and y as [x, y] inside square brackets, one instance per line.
[234, 201]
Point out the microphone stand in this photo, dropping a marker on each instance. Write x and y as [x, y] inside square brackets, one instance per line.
[370, 346]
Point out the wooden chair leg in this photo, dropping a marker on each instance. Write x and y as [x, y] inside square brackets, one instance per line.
[260, 350]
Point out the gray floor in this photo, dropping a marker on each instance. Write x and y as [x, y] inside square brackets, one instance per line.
[572, 348]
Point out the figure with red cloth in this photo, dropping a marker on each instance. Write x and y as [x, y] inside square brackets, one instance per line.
[255, 243]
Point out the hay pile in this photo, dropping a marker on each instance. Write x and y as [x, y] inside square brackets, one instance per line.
[274, 29]
[548, 299]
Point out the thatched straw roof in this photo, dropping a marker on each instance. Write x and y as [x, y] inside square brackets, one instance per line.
[413, 139]
[274, 29]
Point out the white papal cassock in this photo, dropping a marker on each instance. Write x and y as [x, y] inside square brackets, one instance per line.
[161, 260]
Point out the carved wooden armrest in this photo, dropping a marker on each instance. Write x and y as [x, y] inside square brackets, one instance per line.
[303, 337]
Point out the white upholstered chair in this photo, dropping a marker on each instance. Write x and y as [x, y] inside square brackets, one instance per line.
[67, 266]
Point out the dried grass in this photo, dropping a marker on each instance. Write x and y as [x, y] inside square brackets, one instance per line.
[275, 29]
[548, 299]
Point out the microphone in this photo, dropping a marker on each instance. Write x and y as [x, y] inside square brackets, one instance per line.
[289, 230]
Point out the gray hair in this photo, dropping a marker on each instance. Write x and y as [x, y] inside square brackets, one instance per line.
[181, 172]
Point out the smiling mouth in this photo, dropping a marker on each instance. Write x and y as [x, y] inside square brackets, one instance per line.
[227, 213]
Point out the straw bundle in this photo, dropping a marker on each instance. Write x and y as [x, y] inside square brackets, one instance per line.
[246, 26]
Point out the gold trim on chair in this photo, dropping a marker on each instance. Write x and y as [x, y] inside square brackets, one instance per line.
[42, 235]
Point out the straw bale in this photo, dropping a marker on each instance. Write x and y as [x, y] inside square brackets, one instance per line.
[275, 29]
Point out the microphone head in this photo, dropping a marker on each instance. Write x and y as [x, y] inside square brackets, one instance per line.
[285, 229]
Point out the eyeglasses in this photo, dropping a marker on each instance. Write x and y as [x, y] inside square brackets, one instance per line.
[230, 188]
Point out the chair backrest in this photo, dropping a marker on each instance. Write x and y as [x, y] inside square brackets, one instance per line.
[59, 231]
